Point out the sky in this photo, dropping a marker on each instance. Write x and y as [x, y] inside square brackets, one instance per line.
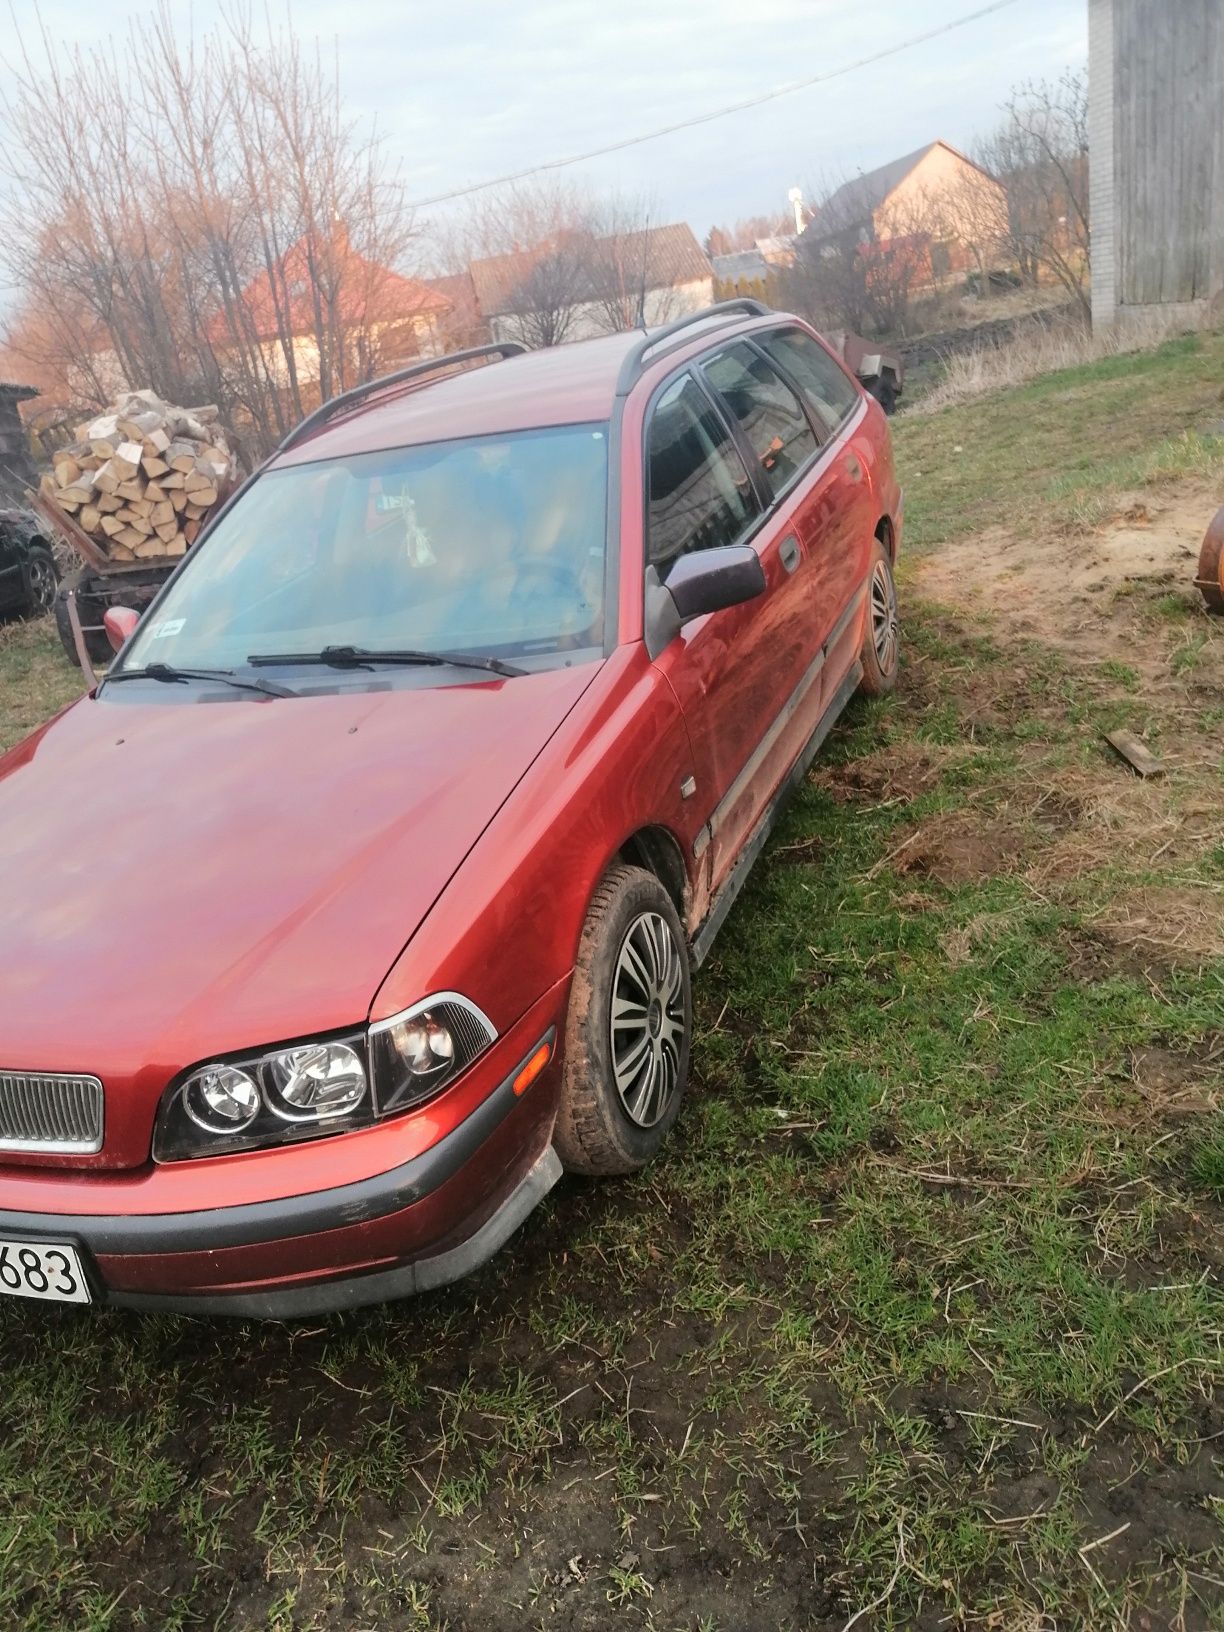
[470, 90]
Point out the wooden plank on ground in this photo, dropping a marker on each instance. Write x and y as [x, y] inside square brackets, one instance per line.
[1135, 752]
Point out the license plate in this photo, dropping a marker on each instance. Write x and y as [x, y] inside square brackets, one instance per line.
[42, 1269]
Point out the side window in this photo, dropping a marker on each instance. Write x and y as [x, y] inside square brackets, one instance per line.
[700, 493]
[768, 411]
[827, 387]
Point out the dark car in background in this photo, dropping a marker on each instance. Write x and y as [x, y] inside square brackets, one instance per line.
[28, 575]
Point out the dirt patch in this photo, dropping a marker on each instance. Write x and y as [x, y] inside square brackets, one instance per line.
[1089, 590]
[959, 847]
[1090, 958]
[1181, 1081]
[897, 773]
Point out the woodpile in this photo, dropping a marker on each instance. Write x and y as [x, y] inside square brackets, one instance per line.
[140, 480]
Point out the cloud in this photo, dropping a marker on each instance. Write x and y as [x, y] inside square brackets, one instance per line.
[484, 87]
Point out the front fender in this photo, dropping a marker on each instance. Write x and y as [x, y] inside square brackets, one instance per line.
[506, 927]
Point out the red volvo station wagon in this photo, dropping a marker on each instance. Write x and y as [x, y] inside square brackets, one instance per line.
[359, 901]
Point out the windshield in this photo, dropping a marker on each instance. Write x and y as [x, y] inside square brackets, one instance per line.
[493, 545]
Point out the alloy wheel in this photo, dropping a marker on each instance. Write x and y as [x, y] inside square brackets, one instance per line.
[41, 575]
[648, 1019]
[884, 631]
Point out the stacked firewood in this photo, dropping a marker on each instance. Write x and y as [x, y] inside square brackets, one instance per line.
[140, 480]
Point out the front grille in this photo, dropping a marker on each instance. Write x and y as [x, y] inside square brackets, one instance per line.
[54, 1114]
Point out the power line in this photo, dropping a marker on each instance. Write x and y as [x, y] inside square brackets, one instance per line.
[716, 113]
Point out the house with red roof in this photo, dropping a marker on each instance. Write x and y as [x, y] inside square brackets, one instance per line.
[324, 309]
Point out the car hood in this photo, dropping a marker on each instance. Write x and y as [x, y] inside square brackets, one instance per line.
[185, 877]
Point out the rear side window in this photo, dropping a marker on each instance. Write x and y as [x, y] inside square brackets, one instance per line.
[828, 389]
[768, 411]
[700, 493]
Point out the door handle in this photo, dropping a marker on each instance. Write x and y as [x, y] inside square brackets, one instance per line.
[854, 468]
[789, 553]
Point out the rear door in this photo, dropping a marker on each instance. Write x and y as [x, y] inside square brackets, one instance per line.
[840, 513]
[727, 444]
[11, 559]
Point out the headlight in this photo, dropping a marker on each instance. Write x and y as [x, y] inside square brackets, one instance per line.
[414, 1054]
[221, 1099]
[315, 1082]
[327, 1085]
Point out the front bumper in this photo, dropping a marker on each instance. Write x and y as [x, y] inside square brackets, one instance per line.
[418, 1225]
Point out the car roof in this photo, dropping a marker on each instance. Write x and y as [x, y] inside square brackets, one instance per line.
[563, 385]
[573, 384]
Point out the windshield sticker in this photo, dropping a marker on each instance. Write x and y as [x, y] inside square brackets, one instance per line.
[163, 631]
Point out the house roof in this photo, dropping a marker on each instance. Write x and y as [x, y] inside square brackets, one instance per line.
[859, 198]
[671, 254]
[663, 256]
[456, 288]
[741, 263]
[778, 250]
[366, 291]
[496, 277]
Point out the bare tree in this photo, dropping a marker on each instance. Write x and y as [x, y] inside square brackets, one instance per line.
[1039, 153]
[527, 245]
[847, 275]
[544, 300]
[555, 264]
[629, 283]
[745, 233]
[205, 211]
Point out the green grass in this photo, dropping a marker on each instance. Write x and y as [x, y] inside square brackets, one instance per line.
[35, 678]
[920, 1304]
[1060, 448]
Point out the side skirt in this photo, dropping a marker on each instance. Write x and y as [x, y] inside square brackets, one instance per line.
[759, 837]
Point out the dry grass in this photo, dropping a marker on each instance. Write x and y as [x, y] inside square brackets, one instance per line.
[1048, 345]
[1182, 924]
[35, 678]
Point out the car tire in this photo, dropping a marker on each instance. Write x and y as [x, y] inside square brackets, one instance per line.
[41, 581]
[1211, 564]
[884, 389]
[621, 1090]
[881, 637]
[96, 644]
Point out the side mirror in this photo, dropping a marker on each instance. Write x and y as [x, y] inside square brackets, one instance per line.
[707, 580]
[700, 582]
[119, 623]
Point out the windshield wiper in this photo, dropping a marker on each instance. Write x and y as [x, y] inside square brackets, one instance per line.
[174, 676]
[357, 657]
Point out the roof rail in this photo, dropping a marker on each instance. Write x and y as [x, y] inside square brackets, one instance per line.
[348, 399]
[634, 363]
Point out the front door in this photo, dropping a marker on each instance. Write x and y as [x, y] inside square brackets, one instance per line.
[745, 677]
